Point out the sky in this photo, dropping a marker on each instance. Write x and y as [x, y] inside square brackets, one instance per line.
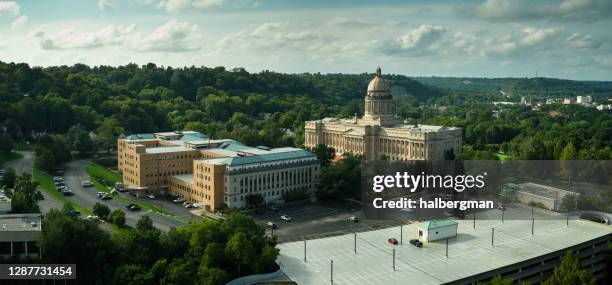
[481, 38]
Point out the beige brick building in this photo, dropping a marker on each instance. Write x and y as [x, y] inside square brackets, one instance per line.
[213, 173]
[379, 134]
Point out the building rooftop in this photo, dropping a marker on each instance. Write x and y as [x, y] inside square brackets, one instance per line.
[470, 253]
[413, 128]
[167, 149]
[543, 190]
[20, 223]
[276, 154]
[137, 137]
[438, 224]
[188, 178]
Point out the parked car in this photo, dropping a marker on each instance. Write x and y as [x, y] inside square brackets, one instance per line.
[353, 219]
[416, 243]
[67, 192]
[58, 179]
[60, 183]
[100, 194]
[392, 241]
[86, 183]
[285, 218]
[151, 196]
[132, 207]
[106, 197]
[189, 206]
[178, 200]
[92, 218]
[271, 225]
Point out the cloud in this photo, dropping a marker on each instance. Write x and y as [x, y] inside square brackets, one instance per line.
[174, 6]
[527, 41]
[520, 10]
[19, 22]
[72, 39]
[107, 4]
[172, 36]
[578, 40]
[428, 40]
[9, 8]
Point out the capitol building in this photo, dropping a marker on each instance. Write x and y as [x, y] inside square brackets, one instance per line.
[379, 134]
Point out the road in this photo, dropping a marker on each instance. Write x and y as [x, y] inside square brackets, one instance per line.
[25, 164]
[75, 172]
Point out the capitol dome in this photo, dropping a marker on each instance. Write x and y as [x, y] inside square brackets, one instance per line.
[378, 86]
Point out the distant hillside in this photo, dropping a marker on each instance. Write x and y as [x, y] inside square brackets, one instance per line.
[539, 86]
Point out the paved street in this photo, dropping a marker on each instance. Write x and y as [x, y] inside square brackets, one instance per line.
[25, 164]
[75, 172]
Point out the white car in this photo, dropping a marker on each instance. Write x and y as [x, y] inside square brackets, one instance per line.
[286, 218]
[178, 200]
[151, 196]
[86, 183]
[92, 218]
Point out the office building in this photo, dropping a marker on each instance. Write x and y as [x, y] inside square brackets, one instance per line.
[213, 173]
[378, 134]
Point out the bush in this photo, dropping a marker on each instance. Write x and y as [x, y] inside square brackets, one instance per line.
[101, 210]
[117, 217]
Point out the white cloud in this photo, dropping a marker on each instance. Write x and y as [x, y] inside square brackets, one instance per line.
[518, 10]
[174, 6]
[107, 4]
[19, 22]
[578, 40]
[429, 40]
[172, 36]
[72, 39]
[528, 41]
[9, 8]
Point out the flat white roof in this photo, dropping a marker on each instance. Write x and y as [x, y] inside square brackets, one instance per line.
[167, 149]
[19, 223]
[470, 253]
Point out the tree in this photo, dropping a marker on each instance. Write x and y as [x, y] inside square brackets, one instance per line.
[25, 196]
[569, 272]
[341, 180]
[6, 144]
[107, 133]
[240, 250]
[145, 223]
[8, 180]
[79, 140]
[44, 159]
[69, 211]
[101, 210]
[324, 154]
[254, 200]
[117, 217]
[568, 203]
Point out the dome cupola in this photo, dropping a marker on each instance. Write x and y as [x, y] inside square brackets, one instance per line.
[378, 86]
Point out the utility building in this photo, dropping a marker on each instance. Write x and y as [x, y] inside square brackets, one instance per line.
[437, 230]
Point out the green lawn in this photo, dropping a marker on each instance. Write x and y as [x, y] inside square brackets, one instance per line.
[104, 180]
[46, 183]
[502, 156]
[7, 157]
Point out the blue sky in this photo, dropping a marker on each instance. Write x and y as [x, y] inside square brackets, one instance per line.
[480, 38]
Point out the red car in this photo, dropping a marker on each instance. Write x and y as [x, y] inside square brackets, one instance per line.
[392, 241]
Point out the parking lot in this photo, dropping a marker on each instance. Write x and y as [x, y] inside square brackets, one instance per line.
[311, 221]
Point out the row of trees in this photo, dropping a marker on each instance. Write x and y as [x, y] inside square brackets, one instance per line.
[204, 252]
